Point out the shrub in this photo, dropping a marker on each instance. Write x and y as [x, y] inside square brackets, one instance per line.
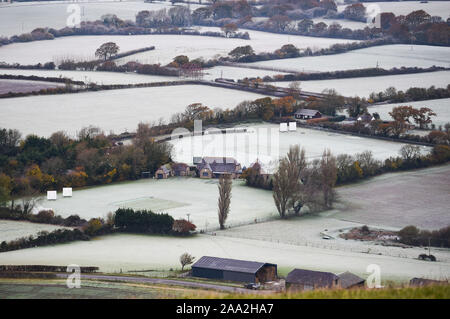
[142, 221]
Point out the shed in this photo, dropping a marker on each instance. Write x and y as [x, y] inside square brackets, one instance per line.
[234, 270]
[349, 280]
[307, 114]
[302, 279]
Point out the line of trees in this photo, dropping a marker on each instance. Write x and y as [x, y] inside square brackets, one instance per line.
[345, 74]
[411, 235]
[341, 170]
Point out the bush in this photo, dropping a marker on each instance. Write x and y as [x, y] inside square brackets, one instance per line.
[142, 221]
[183, 227]
[44, 217]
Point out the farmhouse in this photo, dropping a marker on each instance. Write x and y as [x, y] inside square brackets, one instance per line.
[214, 167]
[180, 169]
[307, 114]
[163, 172]
[234, 270]
[349, 280]
[301, 279]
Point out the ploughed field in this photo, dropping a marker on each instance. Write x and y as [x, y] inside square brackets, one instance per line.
[385, 56]
[420, 198]
[115, 110]
[23, 86]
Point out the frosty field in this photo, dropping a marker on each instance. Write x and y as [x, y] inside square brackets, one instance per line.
[10, 230]
[434, 8]
[386, 57]
[177, 197]
[23, 86]
[419, 198]
[93, 77]
[18, 18]
[115, 110]
[169, 46]
[259, 144]
[166, 46]
[133, 252]
[364, 86]
[441, 107]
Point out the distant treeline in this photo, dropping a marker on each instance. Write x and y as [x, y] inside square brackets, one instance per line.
[345, 74]
[411, 235]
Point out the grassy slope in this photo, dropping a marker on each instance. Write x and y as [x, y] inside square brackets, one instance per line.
[430, 292]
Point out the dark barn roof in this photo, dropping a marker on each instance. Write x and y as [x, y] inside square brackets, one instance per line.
[227, 264]
[348, 279]
[307, 112]
[311, 278]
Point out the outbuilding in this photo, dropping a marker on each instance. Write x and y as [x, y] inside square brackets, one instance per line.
[302, 279]
[350, 280]
[234, 270]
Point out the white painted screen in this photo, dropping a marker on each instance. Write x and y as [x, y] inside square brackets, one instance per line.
[283, 127]
[67, 192]
[293, 126]
[51, 195]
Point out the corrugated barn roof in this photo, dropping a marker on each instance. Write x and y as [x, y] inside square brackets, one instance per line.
[229, 264]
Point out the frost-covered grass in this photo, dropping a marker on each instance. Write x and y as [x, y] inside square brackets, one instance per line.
[135, 252]
[434, 8]
[166, 46]
[25, 17]
[93, 77]
[176, 196]
[257, 143]
[386, 57]
[364, 86]
[441, 107]
[169, 46]
[24, 86]
[417, 198]
[10, 230]
[115, 110]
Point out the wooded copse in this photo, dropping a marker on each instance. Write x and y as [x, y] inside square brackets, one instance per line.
[298, 183]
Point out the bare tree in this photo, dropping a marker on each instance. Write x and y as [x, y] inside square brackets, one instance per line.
[287, 184]
[328, 173]
[186, 259]
[410, 152]
[225, 185]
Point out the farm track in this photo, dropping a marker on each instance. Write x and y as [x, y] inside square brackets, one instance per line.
[159, 281]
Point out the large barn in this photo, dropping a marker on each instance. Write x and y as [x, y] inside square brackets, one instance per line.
[234, 270]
